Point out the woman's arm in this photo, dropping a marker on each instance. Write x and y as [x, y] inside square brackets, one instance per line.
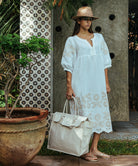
[108, 89]
[69, 92]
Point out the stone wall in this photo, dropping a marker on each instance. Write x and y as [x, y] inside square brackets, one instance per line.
[115, 32]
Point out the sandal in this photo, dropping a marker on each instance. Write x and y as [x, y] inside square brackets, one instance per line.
[103, 155]
[88, 157]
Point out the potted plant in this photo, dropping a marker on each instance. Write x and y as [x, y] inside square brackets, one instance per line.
[22, 130]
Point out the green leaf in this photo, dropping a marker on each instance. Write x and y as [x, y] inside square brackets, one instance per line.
[2, 92]
[2, 104]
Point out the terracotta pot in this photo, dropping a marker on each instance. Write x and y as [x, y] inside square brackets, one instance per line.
[22, 138]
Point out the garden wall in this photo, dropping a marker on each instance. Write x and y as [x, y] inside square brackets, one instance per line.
[34, 20]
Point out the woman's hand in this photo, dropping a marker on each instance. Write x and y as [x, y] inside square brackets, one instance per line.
[69, 93]
[108, 89]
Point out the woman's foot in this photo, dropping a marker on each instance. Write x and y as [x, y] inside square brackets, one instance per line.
[89, 157]
[100, 154]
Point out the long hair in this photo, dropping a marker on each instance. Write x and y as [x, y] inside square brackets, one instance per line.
[77, 29]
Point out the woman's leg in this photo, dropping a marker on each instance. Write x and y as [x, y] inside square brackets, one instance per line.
[90, 154]
[94, 150]
[95, 140]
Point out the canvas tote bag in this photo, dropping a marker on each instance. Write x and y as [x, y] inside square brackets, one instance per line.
[69, 133]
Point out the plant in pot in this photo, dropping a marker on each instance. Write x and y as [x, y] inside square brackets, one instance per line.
[22, 130]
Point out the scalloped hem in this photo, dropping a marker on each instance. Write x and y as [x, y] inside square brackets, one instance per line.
[103, 131]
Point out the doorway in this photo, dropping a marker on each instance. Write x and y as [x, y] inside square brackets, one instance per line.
[133, 58]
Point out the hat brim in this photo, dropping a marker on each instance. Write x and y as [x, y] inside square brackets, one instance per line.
[77, 17]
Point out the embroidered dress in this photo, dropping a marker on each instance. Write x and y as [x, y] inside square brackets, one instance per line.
[87, 64]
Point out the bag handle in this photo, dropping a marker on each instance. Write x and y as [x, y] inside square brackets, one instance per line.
[65, 109]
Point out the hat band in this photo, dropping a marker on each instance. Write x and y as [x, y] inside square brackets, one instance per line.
[86, 18]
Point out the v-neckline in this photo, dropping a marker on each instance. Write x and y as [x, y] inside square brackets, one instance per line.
[87, 40]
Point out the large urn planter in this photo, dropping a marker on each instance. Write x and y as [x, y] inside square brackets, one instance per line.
[21, 138]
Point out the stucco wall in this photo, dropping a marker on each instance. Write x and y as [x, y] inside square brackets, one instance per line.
[116, 36]
[115, 33]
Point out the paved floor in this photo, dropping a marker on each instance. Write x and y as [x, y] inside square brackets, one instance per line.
[68, 160]
[124, 130]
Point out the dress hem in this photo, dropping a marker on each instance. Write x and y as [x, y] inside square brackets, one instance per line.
[103, 131]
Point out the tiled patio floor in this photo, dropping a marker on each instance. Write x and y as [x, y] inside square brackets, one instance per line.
[68, 160]
[124, 130]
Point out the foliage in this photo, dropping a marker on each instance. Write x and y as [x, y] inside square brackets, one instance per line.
[68, 8]
[9, 23]
[9, 16]
[2, 102]
[118, 147]
[16, 54]
[111, 147]
[14, 92]
[11, 98]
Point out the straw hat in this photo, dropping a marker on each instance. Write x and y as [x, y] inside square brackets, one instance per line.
[84, 11]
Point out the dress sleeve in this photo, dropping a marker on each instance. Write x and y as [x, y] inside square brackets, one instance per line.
[105, 54]
[68, 56]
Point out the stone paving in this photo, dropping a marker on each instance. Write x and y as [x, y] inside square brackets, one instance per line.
[68, 160]
[124, 130]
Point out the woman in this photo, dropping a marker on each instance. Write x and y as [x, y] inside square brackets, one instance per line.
[85, 60]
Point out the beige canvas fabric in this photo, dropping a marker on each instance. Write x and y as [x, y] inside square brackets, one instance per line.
[69, 133]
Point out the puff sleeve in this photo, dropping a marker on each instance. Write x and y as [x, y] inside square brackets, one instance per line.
[68, 56]
[105, 54]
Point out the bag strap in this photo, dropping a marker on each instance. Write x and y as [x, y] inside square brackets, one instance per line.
[65, 109]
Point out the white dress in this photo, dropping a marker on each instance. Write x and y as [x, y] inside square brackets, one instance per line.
[87, 64]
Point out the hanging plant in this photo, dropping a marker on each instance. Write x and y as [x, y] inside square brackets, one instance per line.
[68, 8]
